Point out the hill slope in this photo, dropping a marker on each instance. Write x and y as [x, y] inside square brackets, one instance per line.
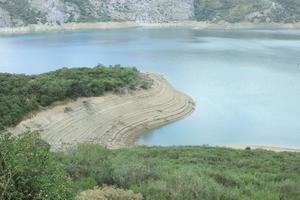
[52, 12]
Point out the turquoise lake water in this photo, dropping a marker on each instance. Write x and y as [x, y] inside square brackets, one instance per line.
[246, 83]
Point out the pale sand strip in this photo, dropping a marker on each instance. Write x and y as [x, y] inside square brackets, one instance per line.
[112, 120]
[269, 148]
[36, 28]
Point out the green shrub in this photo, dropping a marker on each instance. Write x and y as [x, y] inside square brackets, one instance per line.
[68, 109]
[108, 193]
[29, 172]
[88, 165]
[190, 173]
[21, 94]
[131, 174]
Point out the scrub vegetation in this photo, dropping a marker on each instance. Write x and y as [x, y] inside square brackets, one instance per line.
[89, 171]
[28, 171]
[22, 10]
[24, 94]
[86, 12]
[283, 11]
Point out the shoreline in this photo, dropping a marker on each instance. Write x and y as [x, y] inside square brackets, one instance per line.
[263, 147]
[112, 120]
[35, 28]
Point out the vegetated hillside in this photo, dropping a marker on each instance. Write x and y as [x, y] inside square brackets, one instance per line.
[23, 94]
[29, 171]
[24, 12]
[283, 11]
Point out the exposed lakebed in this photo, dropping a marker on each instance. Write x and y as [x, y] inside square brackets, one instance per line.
[246, 83]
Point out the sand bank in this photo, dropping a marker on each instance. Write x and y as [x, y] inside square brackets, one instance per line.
[269, 148]
[119, 25]
[111, 120]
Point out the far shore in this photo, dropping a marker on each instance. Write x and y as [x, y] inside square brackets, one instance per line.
[38, 28]
[268, 148]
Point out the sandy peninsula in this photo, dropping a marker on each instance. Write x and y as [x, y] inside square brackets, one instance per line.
[111, 120]
[40, 28]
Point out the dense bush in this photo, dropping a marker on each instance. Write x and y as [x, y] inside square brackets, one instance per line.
[88, 164]
[108, 193]
[188, 173]
[22, 94]
[29, 172]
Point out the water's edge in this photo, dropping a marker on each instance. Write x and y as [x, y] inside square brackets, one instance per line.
[37, 28]
[245, 82]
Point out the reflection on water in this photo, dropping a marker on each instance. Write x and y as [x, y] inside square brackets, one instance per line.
[246, 83]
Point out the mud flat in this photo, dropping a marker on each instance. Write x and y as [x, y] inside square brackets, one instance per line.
[111, 120]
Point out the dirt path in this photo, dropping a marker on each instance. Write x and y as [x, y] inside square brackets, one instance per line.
[111, 120]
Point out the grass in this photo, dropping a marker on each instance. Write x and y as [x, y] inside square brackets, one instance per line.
[187, 172]
[29, 171]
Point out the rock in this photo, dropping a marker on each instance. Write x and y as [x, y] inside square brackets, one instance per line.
[5, 19]
[57, 12]
[63, 11]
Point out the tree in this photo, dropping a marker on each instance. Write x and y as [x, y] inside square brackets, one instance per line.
[29, 172]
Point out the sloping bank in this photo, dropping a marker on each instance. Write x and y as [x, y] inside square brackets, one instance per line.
[112, 120]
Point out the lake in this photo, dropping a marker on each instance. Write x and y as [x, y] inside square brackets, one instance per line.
[246, 83]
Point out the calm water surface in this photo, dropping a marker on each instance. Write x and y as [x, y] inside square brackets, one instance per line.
[246, 83]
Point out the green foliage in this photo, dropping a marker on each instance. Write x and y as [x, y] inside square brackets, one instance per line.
[22, 94]
[189, 173]
[228, 10]
[20, 9]
[290, 12]
[108, 193]
[68, 109]
[86, 12]
[29, 172]
[88, 164]
[285, 11]
[281, 11]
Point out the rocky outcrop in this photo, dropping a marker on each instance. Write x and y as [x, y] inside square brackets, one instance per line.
[111, 120]
[58, 12]
[16, 13]
[150, 11]
[5, 19]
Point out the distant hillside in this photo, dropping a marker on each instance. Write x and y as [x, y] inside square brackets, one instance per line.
[283, 11]
[23, 12]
